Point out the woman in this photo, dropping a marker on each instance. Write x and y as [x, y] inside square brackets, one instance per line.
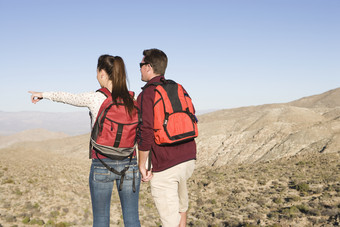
[111, 74]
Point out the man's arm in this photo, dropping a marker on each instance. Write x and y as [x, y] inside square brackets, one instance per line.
[143, 157]
[145, 135]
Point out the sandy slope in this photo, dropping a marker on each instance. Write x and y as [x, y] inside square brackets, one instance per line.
[44, 185]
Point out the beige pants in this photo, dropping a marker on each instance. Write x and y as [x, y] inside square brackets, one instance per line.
[169, 191]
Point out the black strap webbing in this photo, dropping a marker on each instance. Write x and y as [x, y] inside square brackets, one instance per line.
[121, 173]
[118, 135]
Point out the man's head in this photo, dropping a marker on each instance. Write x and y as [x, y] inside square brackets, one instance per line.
[154, 63]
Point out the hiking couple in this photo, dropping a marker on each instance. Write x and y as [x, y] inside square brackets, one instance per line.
[172, 164]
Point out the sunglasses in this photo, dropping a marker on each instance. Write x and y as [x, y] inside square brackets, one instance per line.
[144, 63]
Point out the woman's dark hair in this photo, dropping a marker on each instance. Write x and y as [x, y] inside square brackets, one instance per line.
[157, 59]
[115, 68]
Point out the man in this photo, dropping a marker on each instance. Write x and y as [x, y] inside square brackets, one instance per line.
[171, 165]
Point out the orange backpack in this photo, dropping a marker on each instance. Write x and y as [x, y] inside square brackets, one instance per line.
[174, 114]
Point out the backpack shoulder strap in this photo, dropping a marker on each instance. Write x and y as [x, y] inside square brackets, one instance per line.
[169, 82]
[104, 91]
[152, 84]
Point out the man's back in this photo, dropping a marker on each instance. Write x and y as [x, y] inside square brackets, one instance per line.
[163, 157]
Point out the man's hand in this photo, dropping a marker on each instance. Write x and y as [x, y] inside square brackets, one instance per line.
[146, 174]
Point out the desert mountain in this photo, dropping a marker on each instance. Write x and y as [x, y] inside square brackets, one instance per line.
[330, 99]
[267, 132]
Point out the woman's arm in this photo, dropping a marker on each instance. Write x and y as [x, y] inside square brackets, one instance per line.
[92, 100]
[82, 99]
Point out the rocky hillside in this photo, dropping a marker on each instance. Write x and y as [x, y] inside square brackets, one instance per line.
[267, 132]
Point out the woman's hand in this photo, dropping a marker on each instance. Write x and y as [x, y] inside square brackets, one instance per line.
[36, 96]
[146, 174]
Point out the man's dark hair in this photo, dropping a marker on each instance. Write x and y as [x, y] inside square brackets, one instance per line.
[157, 59]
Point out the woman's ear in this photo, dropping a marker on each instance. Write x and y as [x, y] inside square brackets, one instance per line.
[100, 73]
[103, 74]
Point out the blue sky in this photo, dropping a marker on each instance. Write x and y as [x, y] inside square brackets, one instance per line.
[226, 54]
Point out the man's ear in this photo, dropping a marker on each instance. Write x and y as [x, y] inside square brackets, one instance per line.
[149, 69]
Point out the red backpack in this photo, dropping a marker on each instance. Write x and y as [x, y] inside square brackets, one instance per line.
[114, 132]
[174, 114]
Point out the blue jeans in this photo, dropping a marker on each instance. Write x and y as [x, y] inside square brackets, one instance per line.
[101, 186]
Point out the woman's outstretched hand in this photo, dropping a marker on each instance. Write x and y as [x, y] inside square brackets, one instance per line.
[36, 96]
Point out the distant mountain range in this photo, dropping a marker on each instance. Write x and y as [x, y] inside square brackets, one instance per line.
[71, 123]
